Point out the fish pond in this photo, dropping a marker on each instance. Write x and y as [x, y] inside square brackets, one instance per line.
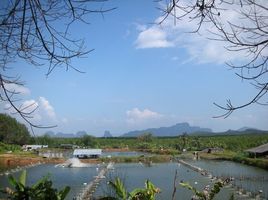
[247, 180]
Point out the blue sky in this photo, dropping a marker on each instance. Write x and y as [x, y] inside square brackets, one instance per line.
[140, 75]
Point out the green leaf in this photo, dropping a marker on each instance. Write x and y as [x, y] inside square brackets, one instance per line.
[119, 188]
[188, 186]
[22, 178]
[40, 182]
[136, 192]
[64, 192]
[12, 181]
[201, 195]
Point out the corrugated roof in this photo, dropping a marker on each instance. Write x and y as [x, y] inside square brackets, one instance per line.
[87, 152]
[260, 149]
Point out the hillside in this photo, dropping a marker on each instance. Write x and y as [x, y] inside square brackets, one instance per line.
[177, 129]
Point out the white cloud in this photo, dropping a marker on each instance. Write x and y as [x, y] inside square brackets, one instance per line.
[12, 87]
[47, 108]
[139, 116]
[141, 27]
[41, 111]
[153, 37]
[27, 106]
[198, 46]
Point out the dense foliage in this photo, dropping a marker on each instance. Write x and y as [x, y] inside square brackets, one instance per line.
[9, 147]
[163, 145]
[121, 193]
[42, 190]
[13, 132]
[227, 142]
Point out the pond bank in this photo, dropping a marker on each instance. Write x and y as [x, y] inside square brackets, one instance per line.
[137, 159]
[231, 156]
[10, 160]
[228, 181]
[15, 160]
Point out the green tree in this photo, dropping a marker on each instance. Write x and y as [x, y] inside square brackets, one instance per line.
[146, 137]
[88, 141]
[184, 140]
[45, 140]
[13, 132]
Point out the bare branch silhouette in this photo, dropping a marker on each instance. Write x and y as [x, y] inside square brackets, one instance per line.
[37, 32]
[247, 35]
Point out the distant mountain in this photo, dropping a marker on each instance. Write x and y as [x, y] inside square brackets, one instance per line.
[50, 133]
[175, 130]
[244, 131]
[65, 135]
[81, 133]
[245, 128]
[107, 134]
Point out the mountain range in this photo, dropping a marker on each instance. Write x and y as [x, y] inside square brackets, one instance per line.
[177, 129]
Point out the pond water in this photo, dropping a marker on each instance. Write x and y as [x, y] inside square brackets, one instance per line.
[61, 176]
[250, 178]
[135, 174]
[162, 176]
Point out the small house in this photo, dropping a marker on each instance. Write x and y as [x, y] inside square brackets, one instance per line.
[259, 151]
[87, 153]
[34, 147]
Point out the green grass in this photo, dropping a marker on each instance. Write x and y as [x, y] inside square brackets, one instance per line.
[136, 159]
[239, 157]
[4, 148]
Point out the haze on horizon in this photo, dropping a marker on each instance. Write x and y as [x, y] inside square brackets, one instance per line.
[139, 76]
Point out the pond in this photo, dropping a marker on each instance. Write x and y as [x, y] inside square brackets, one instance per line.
[250, 178]
[73, 177]
[162, 175]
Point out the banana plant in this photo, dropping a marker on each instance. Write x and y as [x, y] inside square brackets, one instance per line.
[42, 190]
[147, 193]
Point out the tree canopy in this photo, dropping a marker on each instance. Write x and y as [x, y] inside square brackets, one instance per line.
[12, 131]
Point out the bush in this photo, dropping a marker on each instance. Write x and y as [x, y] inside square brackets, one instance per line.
[9, 147]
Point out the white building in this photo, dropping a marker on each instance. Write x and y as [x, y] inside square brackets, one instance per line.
[28, 147]
[87, 153]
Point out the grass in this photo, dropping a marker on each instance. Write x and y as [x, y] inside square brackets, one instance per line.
[237, 157]
[136, 159]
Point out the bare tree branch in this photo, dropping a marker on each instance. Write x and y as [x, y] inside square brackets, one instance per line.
[38, 33]
[248, 36]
